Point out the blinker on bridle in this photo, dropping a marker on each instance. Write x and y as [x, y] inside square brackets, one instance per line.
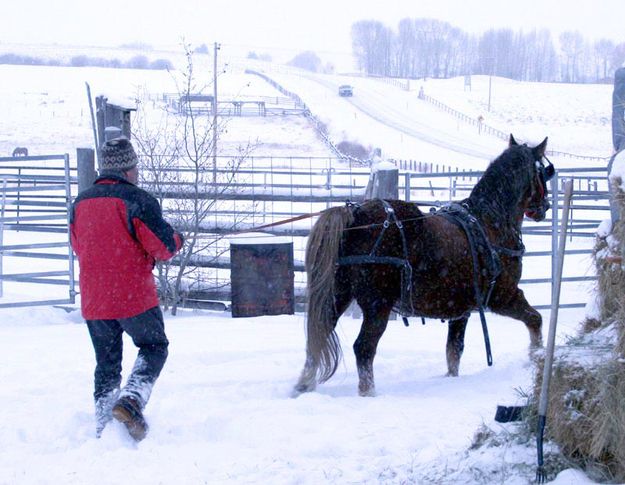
[544, 174]
[548, 171]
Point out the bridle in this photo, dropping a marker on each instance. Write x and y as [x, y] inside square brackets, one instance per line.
[544, 173]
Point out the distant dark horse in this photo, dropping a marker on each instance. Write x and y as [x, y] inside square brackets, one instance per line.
[444, 265]
[20, 152]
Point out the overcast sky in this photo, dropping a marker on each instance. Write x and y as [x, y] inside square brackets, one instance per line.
[320, 25]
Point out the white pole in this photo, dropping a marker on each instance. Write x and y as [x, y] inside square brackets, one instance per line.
[553, 321]
[4, 198]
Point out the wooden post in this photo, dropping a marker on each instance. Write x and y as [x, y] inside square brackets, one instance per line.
[100, 114]
[85, 161]
[383, 184]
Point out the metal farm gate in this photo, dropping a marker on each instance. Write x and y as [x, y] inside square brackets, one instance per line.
[589, 207]
[36, 260]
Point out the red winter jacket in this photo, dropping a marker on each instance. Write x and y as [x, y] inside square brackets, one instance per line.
[118, 231]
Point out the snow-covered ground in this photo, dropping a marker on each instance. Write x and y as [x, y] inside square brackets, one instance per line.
[221, 411]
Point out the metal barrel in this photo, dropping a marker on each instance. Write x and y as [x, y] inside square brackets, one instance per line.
[262, 280]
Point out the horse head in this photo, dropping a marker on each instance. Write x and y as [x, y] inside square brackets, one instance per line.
[537, 201]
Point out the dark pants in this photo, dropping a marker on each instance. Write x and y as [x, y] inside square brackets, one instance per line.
[147, 331]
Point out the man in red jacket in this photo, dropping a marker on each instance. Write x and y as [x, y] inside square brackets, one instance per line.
[118, 232]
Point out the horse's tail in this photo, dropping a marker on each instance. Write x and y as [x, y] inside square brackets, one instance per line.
[323, 349]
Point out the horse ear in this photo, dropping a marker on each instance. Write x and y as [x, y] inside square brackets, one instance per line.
[512, 141]
[539, 151]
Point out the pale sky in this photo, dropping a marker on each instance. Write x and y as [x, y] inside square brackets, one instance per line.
[320, 25]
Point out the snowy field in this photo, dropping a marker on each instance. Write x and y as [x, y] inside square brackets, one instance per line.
[221, 411]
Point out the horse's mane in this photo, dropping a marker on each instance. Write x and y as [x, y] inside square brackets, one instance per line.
[497, 194]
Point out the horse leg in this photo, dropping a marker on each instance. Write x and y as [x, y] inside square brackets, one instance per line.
[308, 378]
[519, 309]
[455, 344]
[373, 326]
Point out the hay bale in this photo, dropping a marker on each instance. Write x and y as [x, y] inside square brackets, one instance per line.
[586, 412]
[609, 258]
[586, 416]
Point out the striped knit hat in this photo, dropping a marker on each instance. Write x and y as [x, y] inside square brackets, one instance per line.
[118, 154]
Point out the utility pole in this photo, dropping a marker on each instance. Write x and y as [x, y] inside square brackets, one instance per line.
[490, 79]
[216, 48]
[490, 83]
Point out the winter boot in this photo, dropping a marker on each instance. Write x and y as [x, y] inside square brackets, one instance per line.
[103, 411]
[128, 411]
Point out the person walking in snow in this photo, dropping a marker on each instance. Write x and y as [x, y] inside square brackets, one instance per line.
[118, 232]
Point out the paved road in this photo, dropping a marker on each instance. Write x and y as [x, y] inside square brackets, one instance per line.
[370, 101]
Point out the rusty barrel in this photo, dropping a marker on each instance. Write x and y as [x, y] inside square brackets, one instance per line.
[261, 275]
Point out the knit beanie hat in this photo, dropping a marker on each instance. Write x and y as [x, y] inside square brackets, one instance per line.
[118, 154]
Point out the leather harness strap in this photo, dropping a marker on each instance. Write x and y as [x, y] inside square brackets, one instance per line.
[405, 306]
[459, 215]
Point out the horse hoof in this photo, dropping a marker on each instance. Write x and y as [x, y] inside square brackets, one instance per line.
[301, 389]
[367, 393]
[452, 374]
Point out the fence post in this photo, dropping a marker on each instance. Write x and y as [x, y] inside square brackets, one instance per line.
[555, 195]
[407, 187]
[383, 184]
[4, 192]
[85, 162]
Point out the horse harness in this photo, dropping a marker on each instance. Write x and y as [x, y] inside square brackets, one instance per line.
[479, 244]
[405, 306]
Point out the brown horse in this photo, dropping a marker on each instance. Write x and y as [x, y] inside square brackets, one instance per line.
[389, 255]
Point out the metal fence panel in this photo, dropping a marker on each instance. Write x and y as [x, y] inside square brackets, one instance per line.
[36, 198]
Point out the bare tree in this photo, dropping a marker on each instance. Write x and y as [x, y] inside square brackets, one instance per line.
[306, 60]
[618, 56]
[424, 47]
[571, 45]
[604, 48]
[371, 44]
[543, 58]
[176, 147]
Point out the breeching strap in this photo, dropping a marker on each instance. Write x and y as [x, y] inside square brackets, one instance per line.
[406, 305]
[452, 213]
[478, 295]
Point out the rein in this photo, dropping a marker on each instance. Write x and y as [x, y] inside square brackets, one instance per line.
[279, 223]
